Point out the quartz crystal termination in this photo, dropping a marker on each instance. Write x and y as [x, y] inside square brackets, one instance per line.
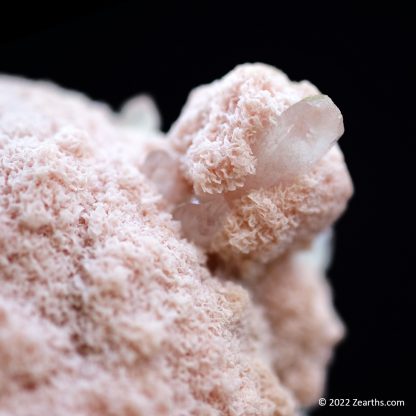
[301, 136]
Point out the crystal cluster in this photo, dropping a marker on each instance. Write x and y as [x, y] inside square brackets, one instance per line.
[302, 135]
[144, 273]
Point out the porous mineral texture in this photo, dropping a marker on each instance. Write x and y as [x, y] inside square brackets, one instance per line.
[179, 274]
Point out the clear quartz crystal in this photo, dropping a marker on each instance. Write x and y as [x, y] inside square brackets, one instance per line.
[300, 138]
[163, 170]
[141, 112]
[302, 135]
[201, 220]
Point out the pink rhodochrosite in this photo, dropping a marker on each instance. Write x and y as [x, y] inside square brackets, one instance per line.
[144, 273]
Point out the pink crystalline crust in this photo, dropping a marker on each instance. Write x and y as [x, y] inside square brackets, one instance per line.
[267, 223]
[104, 309]
[305, 327]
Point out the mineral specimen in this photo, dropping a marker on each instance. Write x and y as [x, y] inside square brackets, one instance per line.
[177, 274]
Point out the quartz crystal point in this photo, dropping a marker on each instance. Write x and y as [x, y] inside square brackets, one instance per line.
[141, 112]
[301, 136]
[202, 219]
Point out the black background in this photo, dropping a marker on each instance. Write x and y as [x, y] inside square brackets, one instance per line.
[362, 60]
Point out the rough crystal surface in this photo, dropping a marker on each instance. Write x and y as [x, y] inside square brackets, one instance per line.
[301, 136]
[107, 309]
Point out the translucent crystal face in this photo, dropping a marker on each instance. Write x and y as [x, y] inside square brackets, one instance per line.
[201, 220]
[163, 170]
[141, 112]
[302, 135]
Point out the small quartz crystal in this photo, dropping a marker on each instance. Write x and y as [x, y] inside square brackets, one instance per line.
[162, 168]
[201, 220]
[141, 112]
[301, 137]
